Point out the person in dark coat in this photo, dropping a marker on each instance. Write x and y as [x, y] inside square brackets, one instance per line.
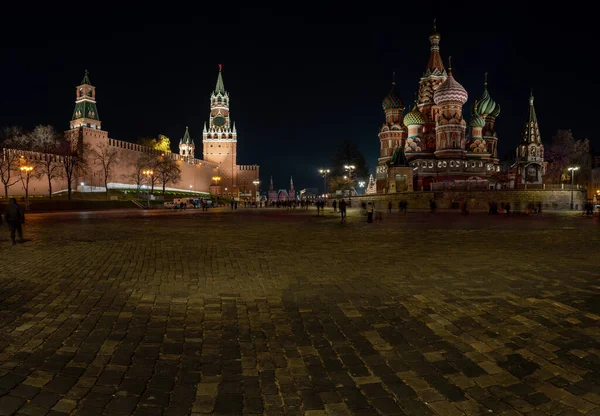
[432, 206]
[370, 210]
[343, 210]
[14, 218]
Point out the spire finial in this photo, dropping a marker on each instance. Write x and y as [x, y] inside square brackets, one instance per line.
[434, 25]
[393, 77]
[485, 80]
[449, 64]
[531, 97]
[220, 67]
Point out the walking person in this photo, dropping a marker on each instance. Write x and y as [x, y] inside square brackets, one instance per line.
[343, 210]
[432, 206]
[370, 212]
[14, 218]
[390, 207]
[334, 204]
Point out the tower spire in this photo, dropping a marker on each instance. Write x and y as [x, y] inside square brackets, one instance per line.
[220, 88]
[86, 79]
[531, 131]
[435, 64]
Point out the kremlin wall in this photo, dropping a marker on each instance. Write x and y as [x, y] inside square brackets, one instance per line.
[219, 145]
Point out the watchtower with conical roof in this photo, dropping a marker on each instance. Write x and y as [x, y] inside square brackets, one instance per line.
[85, 113]
[219, 137]
[186, 146]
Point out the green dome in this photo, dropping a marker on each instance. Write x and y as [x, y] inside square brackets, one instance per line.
[485, 105]
[476, 121]
[415, 117]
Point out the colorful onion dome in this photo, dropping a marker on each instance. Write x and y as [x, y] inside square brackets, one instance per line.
[476, 119]
[496, 111]
[414, 118]
[484, 105]
[392, 100]
[450, 90]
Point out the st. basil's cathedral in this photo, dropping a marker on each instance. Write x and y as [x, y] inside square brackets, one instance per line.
[432, 147]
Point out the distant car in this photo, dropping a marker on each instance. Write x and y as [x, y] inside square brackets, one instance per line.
[169, 205]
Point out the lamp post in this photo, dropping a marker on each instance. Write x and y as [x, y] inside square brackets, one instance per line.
[572, 169]
[149, 173]
[27, 169]
[324, 173]
[361, 184]
[255, 182]
[350, 169]
[82, 189]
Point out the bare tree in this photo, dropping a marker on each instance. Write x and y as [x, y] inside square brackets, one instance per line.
[107, 156]
[566, 151]
[151, 163]
[72, 158]
[26, 172]
[139, 177]
[46, 140]
[168, 171]
[10, 157]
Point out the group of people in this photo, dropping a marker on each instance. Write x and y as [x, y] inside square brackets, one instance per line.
[14, 217]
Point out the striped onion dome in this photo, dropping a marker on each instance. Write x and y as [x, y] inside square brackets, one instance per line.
[414, 118]
[449, 91]
[476, 120]
[485, 105]
[392, 100]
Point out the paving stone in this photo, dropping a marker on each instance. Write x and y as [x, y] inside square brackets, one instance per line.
[260, 327]
[10, 404]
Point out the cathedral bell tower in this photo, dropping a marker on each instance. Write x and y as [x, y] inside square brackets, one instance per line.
[219, 138]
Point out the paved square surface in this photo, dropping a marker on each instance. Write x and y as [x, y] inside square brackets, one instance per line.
[282, 312]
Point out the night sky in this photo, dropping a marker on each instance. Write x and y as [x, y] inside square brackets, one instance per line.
[300, 81]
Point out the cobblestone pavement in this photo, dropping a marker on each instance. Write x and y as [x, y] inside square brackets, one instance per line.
[285, 313]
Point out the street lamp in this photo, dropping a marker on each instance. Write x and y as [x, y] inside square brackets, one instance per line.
[324, 173]
[572, 169]
[82, 189]
[255, 182]
[150, 174]
[350, 169]
[27, 169]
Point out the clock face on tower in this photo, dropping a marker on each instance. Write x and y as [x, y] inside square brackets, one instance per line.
[219, 121]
